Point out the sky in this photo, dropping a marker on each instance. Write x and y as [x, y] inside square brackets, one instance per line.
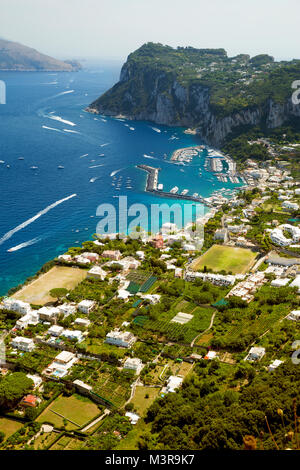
[111, 29]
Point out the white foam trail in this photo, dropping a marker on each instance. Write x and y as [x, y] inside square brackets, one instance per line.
[104, 120]
[85, 155]
[95, 166]
[155, 129]
[149, 156]
[23, 245]
[64, 93]
[29, 221]
[115, 172]
[72, 132]
[64, 121]
[104, 145]
[51, 129]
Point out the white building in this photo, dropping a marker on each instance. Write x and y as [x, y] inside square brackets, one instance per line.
[82, 322]
[124, 339]
[274, 365]
[67, 309]
[97, 273]
[24, 344]
[255, 354]
[133, 363]
[55, 330]
[112, 254]
[173, 383]
[62, 364]
[31, 318]
[48, 313]
[8, 303]
[86, 306]
[73, 335]
[294, 315]
[290, 205]
[296, 283]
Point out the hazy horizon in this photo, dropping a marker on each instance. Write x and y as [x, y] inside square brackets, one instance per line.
[110, 30]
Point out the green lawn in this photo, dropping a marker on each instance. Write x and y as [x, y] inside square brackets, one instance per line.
[9, 426]
[78, 409]
[227, 258]
[140, 402]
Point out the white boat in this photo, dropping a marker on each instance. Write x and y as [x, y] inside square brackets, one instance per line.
[34, 167]
[60, 167]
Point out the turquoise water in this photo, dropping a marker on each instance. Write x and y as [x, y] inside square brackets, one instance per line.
[44, 124]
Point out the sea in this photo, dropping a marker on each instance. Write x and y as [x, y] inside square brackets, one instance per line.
[59, 163]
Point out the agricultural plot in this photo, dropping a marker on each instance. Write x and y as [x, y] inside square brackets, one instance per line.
[37, 292]
[227, 258]
[66, 443]
[116, 393]
[140, 401]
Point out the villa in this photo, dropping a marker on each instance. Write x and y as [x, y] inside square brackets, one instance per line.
[24, 344]
[124, 339]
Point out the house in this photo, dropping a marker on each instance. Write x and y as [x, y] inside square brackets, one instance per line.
[31, 318]
[67, 309]
[173, 383]
[221, 234]
[97, 273]
[290, 205]
[37, 380]
[82, 322]
[211, 355]
[255, 354]
[55, 330]
[294, 315]
[66, 258]
[280, 282]
[168, 228]
[62, 363]
[158, 242]
[133, 417]
[124, 339]
[92, 257]
[274, 365]
[73, 335]
[296, 283]
[178, 272]
[112, 254]
[29, 400]
[152, 298]
[48, 313]
[86, 306]
[16, 305]
[133, 363]
[82, 385]
[24, 344]
[140, 254]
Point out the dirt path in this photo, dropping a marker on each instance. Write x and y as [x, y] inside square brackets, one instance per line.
[207, 329]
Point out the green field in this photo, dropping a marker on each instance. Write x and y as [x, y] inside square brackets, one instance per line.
[78, 410]
[227, 258]
[140, 402]
[9, 426]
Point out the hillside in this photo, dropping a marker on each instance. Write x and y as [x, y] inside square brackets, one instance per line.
[204, 89]
[16, 57]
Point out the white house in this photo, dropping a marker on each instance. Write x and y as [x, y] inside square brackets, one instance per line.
[31, 318]
[24, 344]
[86, 306]
[173, 383]
[112, 254]
[97, 273]
[133, 363]
[255, 354]
[48, 313]
[274, 365]
[82, 322]
[124, 339]
[73, 334]
[55, 330]
[67, 309]
[16, 305]
[296, 283]
[294, 315]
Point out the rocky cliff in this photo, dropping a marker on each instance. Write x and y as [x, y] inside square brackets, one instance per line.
[203, 90]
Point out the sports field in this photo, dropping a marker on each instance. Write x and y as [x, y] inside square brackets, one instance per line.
[37, 292]
[227, 258]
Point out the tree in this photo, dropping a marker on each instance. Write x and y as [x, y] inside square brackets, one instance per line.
[12, 388]
[59, 292]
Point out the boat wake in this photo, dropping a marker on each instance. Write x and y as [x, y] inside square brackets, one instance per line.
[23, 245]
[34, 218]
[52, 129]
[60, 119]
[95, 166]
[156, 129]
[149, 156]
[116, 171]
[71, 132]
[104, 145]
[85, 155]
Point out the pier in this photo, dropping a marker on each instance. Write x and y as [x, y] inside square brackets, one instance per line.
[152, 182]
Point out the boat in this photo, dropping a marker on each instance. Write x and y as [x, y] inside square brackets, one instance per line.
[21, 158]
[34, 167]
[60, 167]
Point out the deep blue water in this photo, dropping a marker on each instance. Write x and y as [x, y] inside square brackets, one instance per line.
[35, 100]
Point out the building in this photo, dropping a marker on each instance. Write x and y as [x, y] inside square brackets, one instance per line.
[82, 386]
[55, 330]
[97, 273]
[61, 365]
[92, 257]
[255, 354]
[280, 282]
[73, 335]
[133, 363]
[86, 306]
[133, 417]
[211, 355]
[82, 322]
[173, 384]
[222, 235]
[67, 309]
[31, 318]
[23, 344]
[112, 254]
[296, 283]
[8, 303]
[274, 365]
[48, 313]
[290, 205]
[29, 400]
[124, 339]
[294, 315]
